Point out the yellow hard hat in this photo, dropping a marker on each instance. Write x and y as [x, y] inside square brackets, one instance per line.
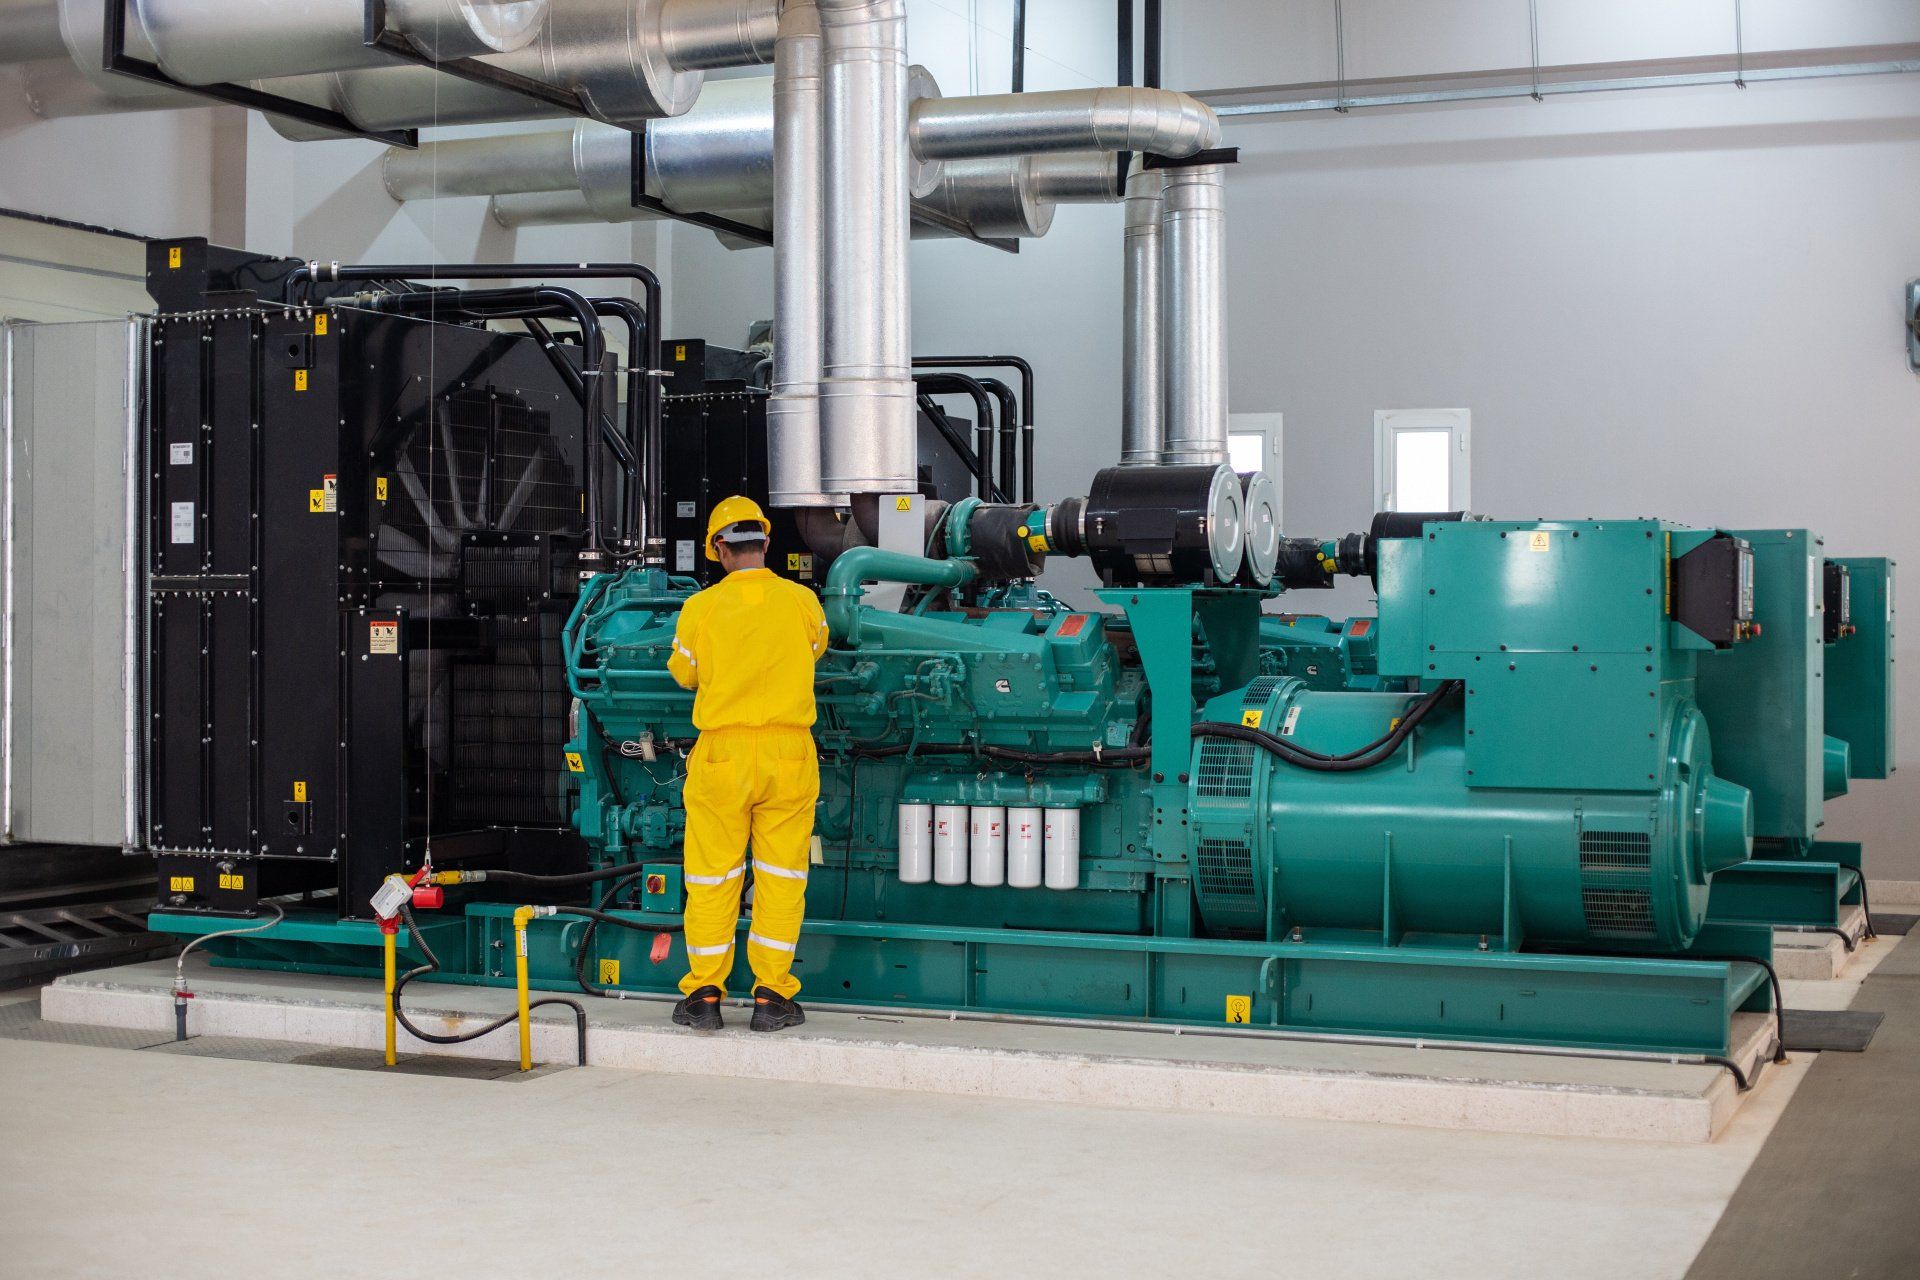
[732, 511]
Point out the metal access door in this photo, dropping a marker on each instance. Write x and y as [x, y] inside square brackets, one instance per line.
[72, 408]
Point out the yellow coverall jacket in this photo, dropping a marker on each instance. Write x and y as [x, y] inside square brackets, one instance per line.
[747, 646]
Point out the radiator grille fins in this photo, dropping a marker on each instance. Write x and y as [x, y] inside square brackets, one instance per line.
[1226, 870]
[1616, 883]
[1226, 767]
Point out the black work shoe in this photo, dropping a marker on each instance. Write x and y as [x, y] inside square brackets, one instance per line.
[774, 1013]
[701, 1010]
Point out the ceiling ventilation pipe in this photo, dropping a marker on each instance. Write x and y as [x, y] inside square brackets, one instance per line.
[1159, 121]
[1193, 353]
[1143, 432]
[210, 41]
[867, 405]
[794, 463]
[626, 60]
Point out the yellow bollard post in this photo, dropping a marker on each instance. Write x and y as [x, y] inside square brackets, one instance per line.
[388, 946]
[520, 917]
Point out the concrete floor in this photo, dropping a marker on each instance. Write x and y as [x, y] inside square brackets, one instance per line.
[121, 1163]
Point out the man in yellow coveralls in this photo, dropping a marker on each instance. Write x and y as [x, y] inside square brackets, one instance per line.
[747, 646]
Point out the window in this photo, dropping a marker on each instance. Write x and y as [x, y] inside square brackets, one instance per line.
[1420, 459]
[1253, 443]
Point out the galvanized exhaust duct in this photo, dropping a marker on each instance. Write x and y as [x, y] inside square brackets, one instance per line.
[1143, 428]
[210, 41]
[867, 404]
[626, 60]
[1194, 305]
[794, 465]
[1076, 177]
[1159, 121]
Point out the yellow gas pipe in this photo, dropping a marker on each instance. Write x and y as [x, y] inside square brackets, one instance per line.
[387, 946]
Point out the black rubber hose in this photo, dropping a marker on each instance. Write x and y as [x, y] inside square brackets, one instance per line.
[433, 966]
[593, 929]
[1366, 757]
[565, 881]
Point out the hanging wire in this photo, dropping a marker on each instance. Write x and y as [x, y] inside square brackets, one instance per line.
[1739, 47]
[1340, 56]
[1533, 35]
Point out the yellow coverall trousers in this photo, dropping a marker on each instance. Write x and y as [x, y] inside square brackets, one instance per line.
[758, 787]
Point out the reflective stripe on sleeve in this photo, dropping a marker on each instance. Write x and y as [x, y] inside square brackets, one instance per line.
[734, 874]
[759, 940]
[685, 652]
[768, 869]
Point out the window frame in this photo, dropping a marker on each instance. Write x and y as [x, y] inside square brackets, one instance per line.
[1457, 423]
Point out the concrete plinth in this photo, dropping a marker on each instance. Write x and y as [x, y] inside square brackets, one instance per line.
[1597, 1097]
[1800, 955]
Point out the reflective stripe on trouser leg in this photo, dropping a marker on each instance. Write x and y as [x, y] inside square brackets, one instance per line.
[718, 809]
[782, 840]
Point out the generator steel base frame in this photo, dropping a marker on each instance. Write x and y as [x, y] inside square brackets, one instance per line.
[1573, 1002]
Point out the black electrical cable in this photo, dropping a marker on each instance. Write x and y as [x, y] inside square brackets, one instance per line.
[1865, 909]
[1739, 1077]
[1366, 757]
[1116, 757]
[596, 916]
[1779, 999]
[433, 965]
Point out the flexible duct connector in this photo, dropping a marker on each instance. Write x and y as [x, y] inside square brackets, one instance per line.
[794, 476]
[1193, 353]
[208, 41]
[867, 409]
[1154, 120]
[1143, 428]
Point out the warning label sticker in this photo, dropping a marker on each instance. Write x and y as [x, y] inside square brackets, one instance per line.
[574, 763]
[181, 525]
[1539, 540]
[1073, 625]
[1251, 719]
[1240, 1009]
[383, 637]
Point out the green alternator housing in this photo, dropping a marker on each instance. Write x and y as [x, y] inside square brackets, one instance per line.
[1565, 796]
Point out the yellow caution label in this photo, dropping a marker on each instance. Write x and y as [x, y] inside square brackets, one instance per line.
[1037, 542]
[680, 354]
[299, 793]
[574, 763]
[173, 258]
[320, 325]
[609, 973]
[1393, 724]
[380, 488]
[903, 503]
[1539, 540]
[1251, 719]
[1240, 1009]
[317, 500]
[180, 884]
[232, 880]
[299, 379]
[799, 562]
[383, 638]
